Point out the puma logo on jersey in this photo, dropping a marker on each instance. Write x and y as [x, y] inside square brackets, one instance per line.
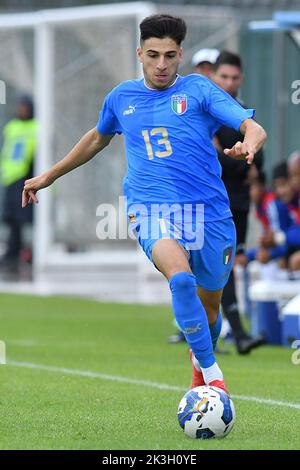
[130, 110]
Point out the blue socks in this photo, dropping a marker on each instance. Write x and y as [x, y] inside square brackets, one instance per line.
[192, 319]
[215, 330]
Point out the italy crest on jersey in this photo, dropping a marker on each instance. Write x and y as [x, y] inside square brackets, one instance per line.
[179, 104]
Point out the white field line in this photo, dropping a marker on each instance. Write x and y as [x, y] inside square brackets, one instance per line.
[25, 342]
[128, 380]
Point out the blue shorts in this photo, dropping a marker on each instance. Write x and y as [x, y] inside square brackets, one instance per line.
[210, 245]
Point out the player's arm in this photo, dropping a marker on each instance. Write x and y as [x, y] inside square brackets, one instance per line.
[88, 146]
[255, 137]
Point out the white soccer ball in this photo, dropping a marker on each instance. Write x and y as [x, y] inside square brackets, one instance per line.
[206, 412]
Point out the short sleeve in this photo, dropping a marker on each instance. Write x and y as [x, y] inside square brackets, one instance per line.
[108, 122]
[225, 109]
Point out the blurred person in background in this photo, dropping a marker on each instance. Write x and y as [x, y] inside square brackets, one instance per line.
[287, 185]
[285, 190]
[203, 62]
[272, 213]
[294, 175]
[16, 165]
[294, 171]
[236, 175]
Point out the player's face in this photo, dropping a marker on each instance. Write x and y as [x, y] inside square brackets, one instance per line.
[228, 77]
[160, 59]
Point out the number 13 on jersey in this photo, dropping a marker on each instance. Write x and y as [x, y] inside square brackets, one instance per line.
[166, 150]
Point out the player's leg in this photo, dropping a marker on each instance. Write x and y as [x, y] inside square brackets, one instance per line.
[211, 301]
[212, 264]
[171, 259]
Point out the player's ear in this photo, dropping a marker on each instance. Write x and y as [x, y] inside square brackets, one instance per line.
[139, 53]
[180, 54]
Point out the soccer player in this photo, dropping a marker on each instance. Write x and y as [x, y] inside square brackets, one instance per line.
[168, 122]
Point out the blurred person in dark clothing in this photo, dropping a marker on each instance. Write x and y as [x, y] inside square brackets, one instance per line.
[236, 176]
[16, 165]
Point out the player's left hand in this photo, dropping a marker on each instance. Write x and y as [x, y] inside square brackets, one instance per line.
[241, 151]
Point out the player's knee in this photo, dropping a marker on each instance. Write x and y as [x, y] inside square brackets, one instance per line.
[183, 283]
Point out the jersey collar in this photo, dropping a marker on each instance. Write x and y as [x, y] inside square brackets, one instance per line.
[154, 89]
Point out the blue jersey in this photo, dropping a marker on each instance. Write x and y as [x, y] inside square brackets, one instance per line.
[168, 135]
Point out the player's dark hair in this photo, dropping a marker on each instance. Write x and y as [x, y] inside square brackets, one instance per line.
[228, 58]
[163, 26]
[280, 171]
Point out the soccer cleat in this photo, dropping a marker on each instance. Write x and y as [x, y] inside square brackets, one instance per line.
[197, 376]
[219, 384]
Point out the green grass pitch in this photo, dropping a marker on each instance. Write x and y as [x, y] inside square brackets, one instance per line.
[67, 407]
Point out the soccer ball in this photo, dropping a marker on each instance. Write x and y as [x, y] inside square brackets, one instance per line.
[205, 412]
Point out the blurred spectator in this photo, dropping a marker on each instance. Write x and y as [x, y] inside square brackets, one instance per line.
[294, 175]
[294, 170]
[272, 213]
[228, 74]
[17, 154]
[290, 238]
[203, 62]
[282, 184]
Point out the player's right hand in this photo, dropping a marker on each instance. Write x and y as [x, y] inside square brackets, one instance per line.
[31, 187]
